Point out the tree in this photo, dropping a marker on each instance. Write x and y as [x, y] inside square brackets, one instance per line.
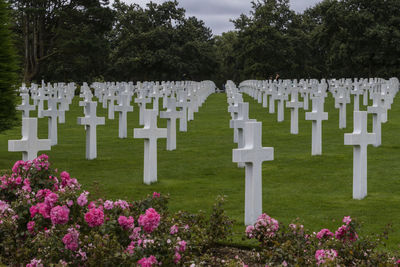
[8, 71]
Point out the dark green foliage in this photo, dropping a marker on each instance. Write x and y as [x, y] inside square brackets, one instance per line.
[160, 43]
[8, 71]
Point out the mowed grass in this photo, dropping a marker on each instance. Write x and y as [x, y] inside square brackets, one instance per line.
[316, 189]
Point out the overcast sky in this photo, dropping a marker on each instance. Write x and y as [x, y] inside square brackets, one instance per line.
[217, 13]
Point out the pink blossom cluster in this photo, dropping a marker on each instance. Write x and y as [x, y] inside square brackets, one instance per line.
[150, 220]
[174, 229]
[35, 263]
[126, 223]
[346, 232]
[108, 205]
[59, 215]
[181, 247]
[122, 204]
[94, 217]
[147, 262]
[31, 227]
[82, 199]
[156, 195]
[324, 233]
[322, 256]
[71, 240]
[265, 225]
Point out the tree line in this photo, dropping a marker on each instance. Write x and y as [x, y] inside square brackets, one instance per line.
[91, 40]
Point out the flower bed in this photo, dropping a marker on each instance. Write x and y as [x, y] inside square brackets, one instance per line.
[46, 218]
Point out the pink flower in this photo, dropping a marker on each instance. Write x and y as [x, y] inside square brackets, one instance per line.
[94, 217]
[125, 222]
[130, 248]
[324, 233]
[42, 193]
[51, 199]
[347, 220]
[18, 180]
[33, 210]
[147, 262]
[108, 205]
[321, 255]
[92, 205]
[59, 215]
[31, 227]
[35, 263]
[71, 239]
[181, 246]
[150, 220]
[177, 257]
[344, 233]
[122, 204]
[156, 195]
[249, 231]
[70, 203]
[27, 185]
[43, 209]
[174, 229]
[82, 199]
[135, 233]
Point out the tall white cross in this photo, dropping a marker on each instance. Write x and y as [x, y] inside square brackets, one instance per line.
[29, 144]
[360, 139]
[341, 101]
[123, 108]
[377, 110]
[171, 114]
[253, 155]
[150, 133]
[91, 121]
[52, 113]
[294, 106]
[317, 115]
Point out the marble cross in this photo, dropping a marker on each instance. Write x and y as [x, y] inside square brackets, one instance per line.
[29, 144]
[25, 106]
[171, 114]
[91, 121]
[317, 115]
[253, 155]
[360, 139]
[150, 133]
[294, 106]
[377, 110]
[123, 108]
[52, 113]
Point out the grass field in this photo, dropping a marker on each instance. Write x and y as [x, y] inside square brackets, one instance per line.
[316, 189]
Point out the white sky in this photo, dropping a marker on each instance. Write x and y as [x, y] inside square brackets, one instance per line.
[217, 13]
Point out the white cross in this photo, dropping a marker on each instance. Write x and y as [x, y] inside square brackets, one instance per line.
[317, 116]
[29, 144]
[25, 106]
[341, 100]
[171, 115]
[239, 124]
[253, 155]
[111, 107]
[52, 113]
[142, 101]
[91, 121]
[150, 133]
[281, 97]
[294, 106]
[123, 108]
[183, 103]
[377, 110]
[360, 139]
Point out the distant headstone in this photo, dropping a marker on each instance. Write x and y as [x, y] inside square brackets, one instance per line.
[123, 108]
[29, 144]
[360, 139]
[317, 115]
[25, 106]
[91, 121]
[253, 155]
[294, 106]
[52, 113]
[171, 114]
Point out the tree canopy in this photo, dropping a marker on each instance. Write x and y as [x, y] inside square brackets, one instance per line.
[87, 40]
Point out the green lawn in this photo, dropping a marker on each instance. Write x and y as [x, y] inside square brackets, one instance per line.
[316, 189]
